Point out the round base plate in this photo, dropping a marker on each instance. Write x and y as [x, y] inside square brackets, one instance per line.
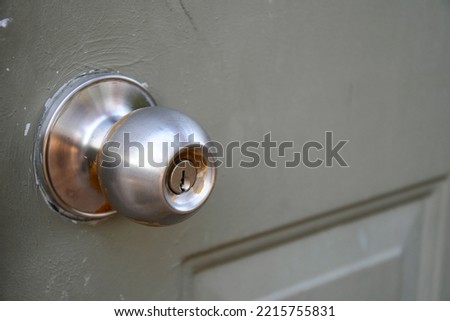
[75, 122]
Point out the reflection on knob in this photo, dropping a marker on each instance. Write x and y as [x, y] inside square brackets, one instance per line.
[103, 148]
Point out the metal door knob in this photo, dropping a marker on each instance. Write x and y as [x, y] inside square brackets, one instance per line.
[103, 147]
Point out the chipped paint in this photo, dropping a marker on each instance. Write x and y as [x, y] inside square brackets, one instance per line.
[5, 22]
[86, 280]
[27, 128]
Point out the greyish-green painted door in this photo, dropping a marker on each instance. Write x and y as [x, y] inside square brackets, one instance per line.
[375, 73]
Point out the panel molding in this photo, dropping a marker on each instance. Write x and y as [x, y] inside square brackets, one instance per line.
[434, 193]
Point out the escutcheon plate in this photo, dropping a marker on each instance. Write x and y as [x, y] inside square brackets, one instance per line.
[75, 121]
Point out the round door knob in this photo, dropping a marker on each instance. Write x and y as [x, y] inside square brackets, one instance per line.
[104, 147]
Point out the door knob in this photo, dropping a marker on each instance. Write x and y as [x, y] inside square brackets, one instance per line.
[104, 147]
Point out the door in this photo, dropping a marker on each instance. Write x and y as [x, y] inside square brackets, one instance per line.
[373, 73]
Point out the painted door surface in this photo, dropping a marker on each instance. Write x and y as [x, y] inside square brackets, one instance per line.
[375, 73]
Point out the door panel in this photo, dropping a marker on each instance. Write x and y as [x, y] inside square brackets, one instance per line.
[375, 73]
[372, 254]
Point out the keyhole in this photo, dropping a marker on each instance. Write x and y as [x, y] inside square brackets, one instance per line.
[182, 187]
[183, 177]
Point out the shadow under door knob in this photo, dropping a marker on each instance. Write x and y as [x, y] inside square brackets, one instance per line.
[104, 147]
